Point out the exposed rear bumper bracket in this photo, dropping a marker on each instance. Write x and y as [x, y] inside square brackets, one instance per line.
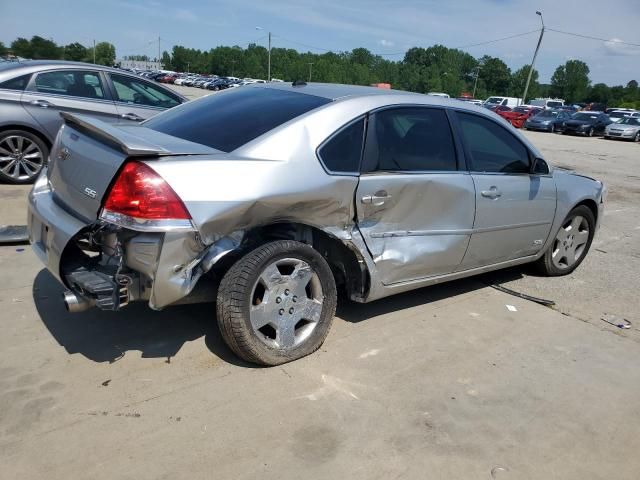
[98, 286]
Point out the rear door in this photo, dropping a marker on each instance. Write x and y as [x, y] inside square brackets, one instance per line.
[415, 202]
[514, 207]
[68, 90]
[137, 99]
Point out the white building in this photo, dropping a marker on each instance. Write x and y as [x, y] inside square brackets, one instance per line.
[139, 64]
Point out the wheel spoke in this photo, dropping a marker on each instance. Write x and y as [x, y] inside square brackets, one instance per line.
[311, 310]
[16, 170]
[286, 335]
[6, 159]
[33, 155]
[271, 276]
[30, 167]
[10, 144]
[300, 277]
[4, 151]
[20, 143]
[562, 234]
[261, 315]
[8, 166]
[32, 146]
[575, 223]
[581, 238]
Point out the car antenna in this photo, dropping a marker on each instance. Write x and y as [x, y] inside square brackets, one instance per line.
[298, 83]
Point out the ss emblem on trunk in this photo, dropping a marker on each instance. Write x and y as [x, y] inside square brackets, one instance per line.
[89, 192]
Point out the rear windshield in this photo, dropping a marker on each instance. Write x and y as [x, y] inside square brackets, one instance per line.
[228, 120]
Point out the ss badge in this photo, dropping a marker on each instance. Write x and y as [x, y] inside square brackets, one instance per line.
[89, 192]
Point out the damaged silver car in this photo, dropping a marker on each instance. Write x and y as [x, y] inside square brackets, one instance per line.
[270, 199]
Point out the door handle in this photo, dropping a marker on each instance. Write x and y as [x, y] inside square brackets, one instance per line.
[376, 199]
[493, 193]
[41, 103]
[131, 116]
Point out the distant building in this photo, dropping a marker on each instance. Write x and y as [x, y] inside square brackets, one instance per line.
[139, 64]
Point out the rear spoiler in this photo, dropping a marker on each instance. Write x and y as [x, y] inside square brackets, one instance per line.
[135, 140]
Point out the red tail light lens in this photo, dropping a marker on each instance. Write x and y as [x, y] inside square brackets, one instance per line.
[141, 193]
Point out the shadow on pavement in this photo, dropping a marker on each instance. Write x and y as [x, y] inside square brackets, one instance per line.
[107, 336]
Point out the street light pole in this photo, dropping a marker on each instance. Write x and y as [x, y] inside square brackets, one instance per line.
[269, 56]
[475, 84]
[310, 65]
[535, 54]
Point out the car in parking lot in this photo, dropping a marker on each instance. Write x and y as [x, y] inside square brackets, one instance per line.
[547, 120]
[33, 93]
[586, 123]
[519, 115]
[626, 129]
[276, 196]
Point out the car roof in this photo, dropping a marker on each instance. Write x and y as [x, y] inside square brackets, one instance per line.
[331, 91]
[29, 66]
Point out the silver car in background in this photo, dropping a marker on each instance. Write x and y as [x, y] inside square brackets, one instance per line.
[269, 199]
[627, 128]
[34, 92]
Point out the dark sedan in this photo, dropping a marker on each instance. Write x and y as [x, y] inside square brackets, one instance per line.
[586, 123]
[547, 121]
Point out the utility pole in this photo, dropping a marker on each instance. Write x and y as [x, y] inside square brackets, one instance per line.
[159, 52]
[310, 64]
[535, 54]
[94, 51]
[233, 66]
[188, 67]
[475, 84]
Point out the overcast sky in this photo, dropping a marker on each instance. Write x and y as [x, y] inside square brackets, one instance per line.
[382, 26]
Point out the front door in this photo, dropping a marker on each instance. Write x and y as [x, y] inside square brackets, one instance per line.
[415, 206]
[73, 91]
[137, 99]
[514, 207]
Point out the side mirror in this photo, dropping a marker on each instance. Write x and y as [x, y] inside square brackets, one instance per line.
[539, 166]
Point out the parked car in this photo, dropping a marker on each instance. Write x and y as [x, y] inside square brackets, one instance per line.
[510, 102]
[498, 108]
[202, 197]
[439, 94]
[617, 115]
[33, 93]
[547, 120]
[626, 129]
[519, 115]
[586, 123]
[547, 103]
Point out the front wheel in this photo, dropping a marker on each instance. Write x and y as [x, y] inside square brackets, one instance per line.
[591, 132]
[276, 304]
[637, 137]
[571, 244]
[552, 129]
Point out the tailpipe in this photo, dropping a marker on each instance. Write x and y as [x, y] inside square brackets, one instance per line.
[76, 303]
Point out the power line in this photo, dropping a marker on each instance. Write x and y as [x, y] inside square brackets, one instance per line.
[594, 38]
[302, 44]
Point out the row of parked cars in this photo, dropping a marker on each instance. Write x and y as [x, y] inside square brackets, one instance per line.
[552, 115]
[209, 82]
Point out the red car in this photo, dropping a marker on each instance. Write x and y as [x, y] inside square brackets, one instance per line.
[519, 115]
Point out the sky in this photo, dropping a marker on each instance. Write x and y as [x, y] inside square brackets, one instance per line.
[383, 26]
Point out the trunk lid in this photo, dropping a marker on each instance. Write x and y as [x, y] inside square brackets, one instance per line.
[88, 153]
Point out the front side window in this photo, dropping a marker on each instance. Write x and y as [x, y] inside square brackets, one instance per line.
[138, 92]
[18, 83]
[341, 154]
[75, 83]
[492, 147]
[410, 140]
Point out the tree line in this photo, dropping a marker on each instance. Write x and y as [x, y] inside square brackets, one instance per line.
[436, 68]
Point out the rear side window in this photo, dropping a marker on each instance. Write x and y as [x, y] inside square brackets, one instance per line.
[341, 154]
[409, 140]
[134, 91]
[75, 83]
[492, 147]
[18, 83]
[228, 120]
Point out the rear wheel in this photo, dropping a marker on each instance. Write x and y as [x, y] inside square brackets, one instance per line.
[22, 156]
[637, 137]
[571, 244]
[276, 304]
[552, 129]
[590, 132]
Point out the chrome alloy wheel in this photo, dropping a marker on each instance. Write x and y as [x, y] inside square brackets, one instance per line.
[20, 157]
[570, 243]
[286, 303]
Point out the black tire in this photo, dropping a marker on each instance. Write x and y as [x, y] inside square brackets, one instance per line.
[26, 177]
[552, 129]
[236, 299]
[590, 132]
[637, 137]
[546, 265]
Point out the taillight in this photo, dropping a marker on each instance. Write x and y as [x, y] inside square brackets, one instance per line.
[141, 193]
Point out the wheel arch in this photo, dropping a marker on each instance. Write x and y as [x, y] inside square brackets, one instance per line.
[27, 128]
[591, 205]
[347, 265]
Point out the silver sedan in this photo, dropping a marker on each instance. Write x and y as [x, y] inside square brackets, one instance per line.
[271, 198]
[627, 129]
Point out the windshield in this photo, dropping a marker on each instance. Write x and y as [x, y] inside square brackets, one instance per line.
[618, 114]
[588, 117]
[554, 104]
[630, 121]
[494, 100]
[229, 120]
[521, 109]
[547, 114]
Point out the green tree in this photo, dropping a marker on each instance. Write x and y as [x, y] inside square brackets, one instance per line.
[75, 51]
[3, 49]
[105, 54]
[21, 47]
[44, 49]
[496, 76]
[166, 60]
[519, 80]
[571, 81]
